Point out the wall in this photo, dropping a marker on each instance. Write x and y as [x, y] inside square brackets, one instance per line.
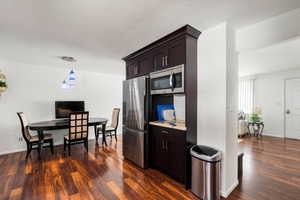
[269, 95]
[271, 31]
[33, 90]
[231, 110]
[217, 98]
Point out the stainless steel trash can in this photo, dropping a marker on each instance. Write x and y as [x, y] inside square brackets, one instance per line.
[206, 164]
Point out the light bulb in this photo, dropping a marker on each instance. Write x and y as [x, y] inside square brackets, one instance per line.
[64, 85]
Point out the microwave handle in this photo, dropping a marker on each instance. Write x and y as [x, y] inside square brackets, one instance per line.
[172, 81]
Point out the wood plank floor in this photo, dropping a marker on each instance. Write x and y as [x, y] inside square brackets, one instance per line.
[271, 171]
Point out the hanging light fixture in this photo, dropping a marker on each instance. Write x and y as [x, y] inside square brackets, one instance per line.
[64, 85]
[71, 80]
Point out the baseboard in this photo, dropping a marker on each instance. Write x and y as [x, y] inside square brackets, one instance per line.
[266, 133]
[57, 143]
[12, 151]
[228, 192]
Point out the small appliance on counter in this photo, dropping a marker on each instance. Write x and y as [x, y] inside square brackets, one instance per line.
[165, 112]
[166, 117]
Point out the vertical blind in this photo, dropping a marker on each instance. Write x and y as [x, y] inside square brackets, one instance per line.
[246, 98]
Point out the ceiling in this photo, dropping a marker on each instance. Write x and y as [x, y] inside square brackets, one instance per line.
[279, 57]
[100, 33]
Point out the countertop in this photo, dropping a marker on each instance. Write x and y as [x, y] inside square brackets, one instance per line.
[179, 125]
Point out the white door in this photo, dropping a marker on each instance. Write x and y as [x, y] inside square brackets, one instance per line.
[292, 108]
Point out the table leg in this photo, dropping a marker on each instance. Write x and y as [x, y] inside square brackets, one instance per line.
[261, 130]
[96, 133]
[40, 143]
[248, 126]
[103, 134]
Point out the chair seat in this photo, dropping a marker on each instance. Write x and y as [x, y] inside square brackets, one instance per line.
[73, 136]
[36, 138]
[109, 128]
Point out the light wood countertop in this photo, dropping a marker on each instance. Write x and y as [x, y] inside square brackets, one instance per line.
[179, 125]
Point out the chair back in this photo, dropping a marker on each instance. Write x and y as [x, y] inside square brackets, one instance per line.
[78, 125]
[115, 118]
[24, 126]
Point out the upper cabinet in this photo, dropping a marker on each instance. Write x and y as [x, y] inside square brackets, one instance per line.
[160, 57]
[132, 70]
[171, 55]
[140, 66]
[166, 52]
[145, 64]
[176, 53]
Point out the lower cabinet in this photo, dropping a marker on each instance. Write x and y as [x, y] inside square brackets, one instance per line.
[168, 152]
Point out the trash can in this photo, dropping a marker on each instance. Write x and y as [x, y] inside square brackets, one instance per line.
[206, 164]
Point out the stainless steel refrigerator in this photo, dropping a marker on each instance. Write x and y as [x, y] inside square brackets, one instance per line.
[135, 120]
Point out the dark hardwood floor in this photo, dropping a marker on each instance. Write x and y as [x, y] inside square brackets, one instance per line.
[271, 171]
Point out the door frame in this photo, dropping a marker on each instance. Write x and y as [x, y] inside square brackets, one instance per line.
[284, 103]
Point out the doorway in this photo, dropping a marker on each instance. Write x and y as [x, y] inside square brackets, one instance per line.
[292, 108]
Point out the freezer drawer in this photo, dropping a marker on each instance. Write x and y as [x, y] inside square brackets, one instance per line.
[134, 146]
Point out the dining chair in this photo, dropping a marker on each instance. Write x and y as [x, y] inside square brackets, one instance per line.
[113, 126]
[32, 141]
[78, 130]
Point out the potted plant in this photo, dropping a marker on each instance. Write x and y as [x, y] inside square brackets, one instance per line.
[254, 118]
[3, 84]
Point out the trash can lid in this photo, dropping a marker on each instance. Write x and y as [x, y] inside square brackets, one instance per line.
[206, 153]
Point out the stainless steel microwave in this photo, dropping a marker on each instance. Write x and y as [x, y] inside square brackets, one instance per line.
[167, 81]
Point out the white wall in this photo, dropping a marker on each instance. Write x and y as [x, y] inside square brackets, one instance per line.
[270, 31]
[34, 89]
[232, 89]
[217, 98]
[269, 95]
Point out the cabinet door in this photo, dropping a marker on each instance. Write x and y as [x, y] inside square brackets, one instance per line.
[176, 53]
[159, 60]
[145, 65]
[132, 70]
[176, 147]
[159, 155]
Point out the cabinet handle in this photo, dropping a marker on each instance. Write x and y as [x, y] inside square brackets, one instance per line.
[163, 61]
[166, 145]
[166, 60]
[166, 132]
[135, 70]
[163, 145]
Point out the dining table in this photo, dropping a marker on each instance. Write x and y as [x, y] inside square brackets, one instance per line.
[58, 124]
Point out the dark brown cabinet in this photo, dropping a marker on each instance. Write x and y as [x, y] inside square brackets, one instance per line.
[160, 58]
[132, 70]
[176, 53]
[169, 147]
[145, 65]
[139, 67]
[169, 51]
[171, 55]
[168, 152]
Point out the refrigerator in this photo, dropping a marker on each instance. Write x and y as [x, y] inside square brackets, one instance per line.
[135, 120]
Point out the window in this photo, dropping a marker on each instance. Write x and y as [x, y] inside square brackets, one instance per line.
[246, 99]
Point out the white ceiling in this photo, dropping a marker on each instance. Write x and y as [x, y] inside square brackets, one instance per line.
[100, 33]
[279, 57]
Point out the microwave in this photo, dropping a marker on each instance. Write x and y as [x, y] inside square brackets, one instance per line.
[167, 81]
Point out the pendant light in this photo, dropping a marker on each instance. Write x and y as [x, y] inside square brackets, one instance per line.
[64, 85]
[71, 80]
